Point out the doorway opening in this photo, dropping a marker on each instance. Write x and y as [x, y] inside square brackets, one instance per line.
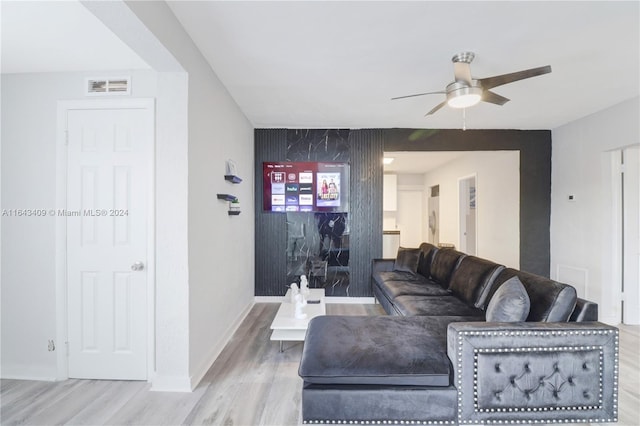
[467, 214]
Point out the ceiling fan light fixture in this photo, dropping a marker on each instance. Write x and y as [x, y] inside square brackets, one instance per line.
[464, 97]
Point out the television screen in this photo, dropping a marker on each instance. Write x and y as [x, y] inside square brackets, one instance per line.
[305, 187]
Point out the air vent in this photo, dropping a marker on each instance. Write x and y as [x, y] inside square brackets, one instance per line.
[108, 86]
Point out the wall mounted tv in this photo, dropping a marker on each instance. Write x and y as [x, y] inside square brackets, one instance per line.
[305, 187]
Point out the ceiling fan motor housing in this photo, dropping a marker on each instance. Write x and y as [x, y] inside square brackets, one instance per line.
[465, 57]
[460, 95]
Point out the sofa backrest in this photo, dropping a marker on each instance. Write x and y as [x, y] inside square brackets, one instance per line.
[551, 301]
[426, 258]
[472, 280]
[444, 263]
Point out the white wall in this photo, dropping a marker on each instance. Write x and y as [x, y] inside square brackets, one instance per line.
[581, 243]
[221, 251]
[497, 201]
[410, 217]
[28, 169]
[204, 258]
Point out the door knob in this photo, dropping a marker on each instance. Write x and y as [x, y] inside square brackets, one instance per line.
[138, 266]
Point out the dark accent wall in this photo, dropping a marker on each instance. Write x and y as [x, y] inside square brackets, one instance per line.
[271, 229]
[365, 149]
[535, 176]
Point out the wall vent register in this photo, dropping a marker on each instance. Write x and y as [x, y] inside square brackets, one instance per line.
[108, 86]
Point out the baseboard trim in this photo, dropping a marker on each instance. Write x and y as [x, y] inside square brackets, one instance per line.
[350, 300]
[31, 378]
[268, 299]
[25, 372]
[217, 350]
[328, 299]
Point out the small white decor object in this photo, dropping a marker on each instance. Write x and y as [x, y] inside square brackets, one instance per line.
[230, 168]
[294, 292]
[304, 285]
[300, 304]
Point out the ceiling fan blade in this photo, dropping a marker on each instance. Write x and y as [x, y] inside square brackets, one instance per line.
[494, 98]
[462, 72]
[418, 94]
[436, 108]
[499, 80]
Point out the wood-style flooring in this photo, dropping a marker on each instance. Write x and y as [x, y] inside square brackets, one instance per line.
[251, 383]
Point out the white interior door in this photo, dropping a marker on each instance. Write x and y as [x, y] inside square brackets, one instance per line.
[107, 203]
[631, 236]
[410, 207]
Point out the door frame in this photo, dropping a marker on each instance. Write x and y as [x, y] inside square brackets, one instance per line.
[61, 228]
[460, 180]
[612, 234]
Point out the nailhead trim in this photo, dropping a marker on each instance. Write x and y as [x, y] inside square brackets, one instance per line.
[381, 422]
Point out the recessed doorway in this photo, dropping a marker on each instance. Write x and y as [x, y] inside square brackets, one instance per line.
[467, 214]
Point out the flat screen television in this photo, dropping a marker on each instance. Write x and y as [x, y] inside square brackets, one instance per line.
[305, 187]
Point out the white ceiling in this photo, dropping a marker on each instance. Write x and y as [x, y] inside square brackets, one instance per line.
[419, 162]
[59, 36]
[337, 64]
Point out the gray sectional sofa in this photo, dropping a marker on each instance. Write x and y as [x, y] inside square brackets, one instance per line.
[466, 341]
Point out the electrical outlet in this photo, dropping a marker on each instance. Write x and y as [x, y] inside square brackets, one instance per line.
[51, 346]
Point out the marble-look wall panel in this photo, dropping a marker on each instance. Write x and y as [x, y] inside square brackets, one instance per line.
[318, 145]
[318, 243]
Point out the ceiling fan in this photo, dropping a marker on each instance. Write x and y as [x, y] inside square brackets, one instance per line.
[465, 91]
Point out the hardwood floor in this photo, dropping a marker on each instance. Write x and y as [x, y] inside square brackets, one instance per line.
[251, 383]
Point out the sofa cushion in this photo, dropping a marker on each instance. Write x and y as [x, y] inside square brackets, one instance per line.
[550, 300]
[424, 264]
[407, 260]
[435, 306]
[472, 280]
[393, 289]
[366, 350]
[443, 264]
[380, 278]
[510, 303]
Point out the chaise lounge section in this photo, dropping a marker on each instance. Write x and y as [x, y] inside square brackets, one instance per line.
[466, 341]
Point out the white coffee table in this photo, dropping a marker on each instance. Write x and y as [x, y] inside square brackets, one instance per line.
[286, 327]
